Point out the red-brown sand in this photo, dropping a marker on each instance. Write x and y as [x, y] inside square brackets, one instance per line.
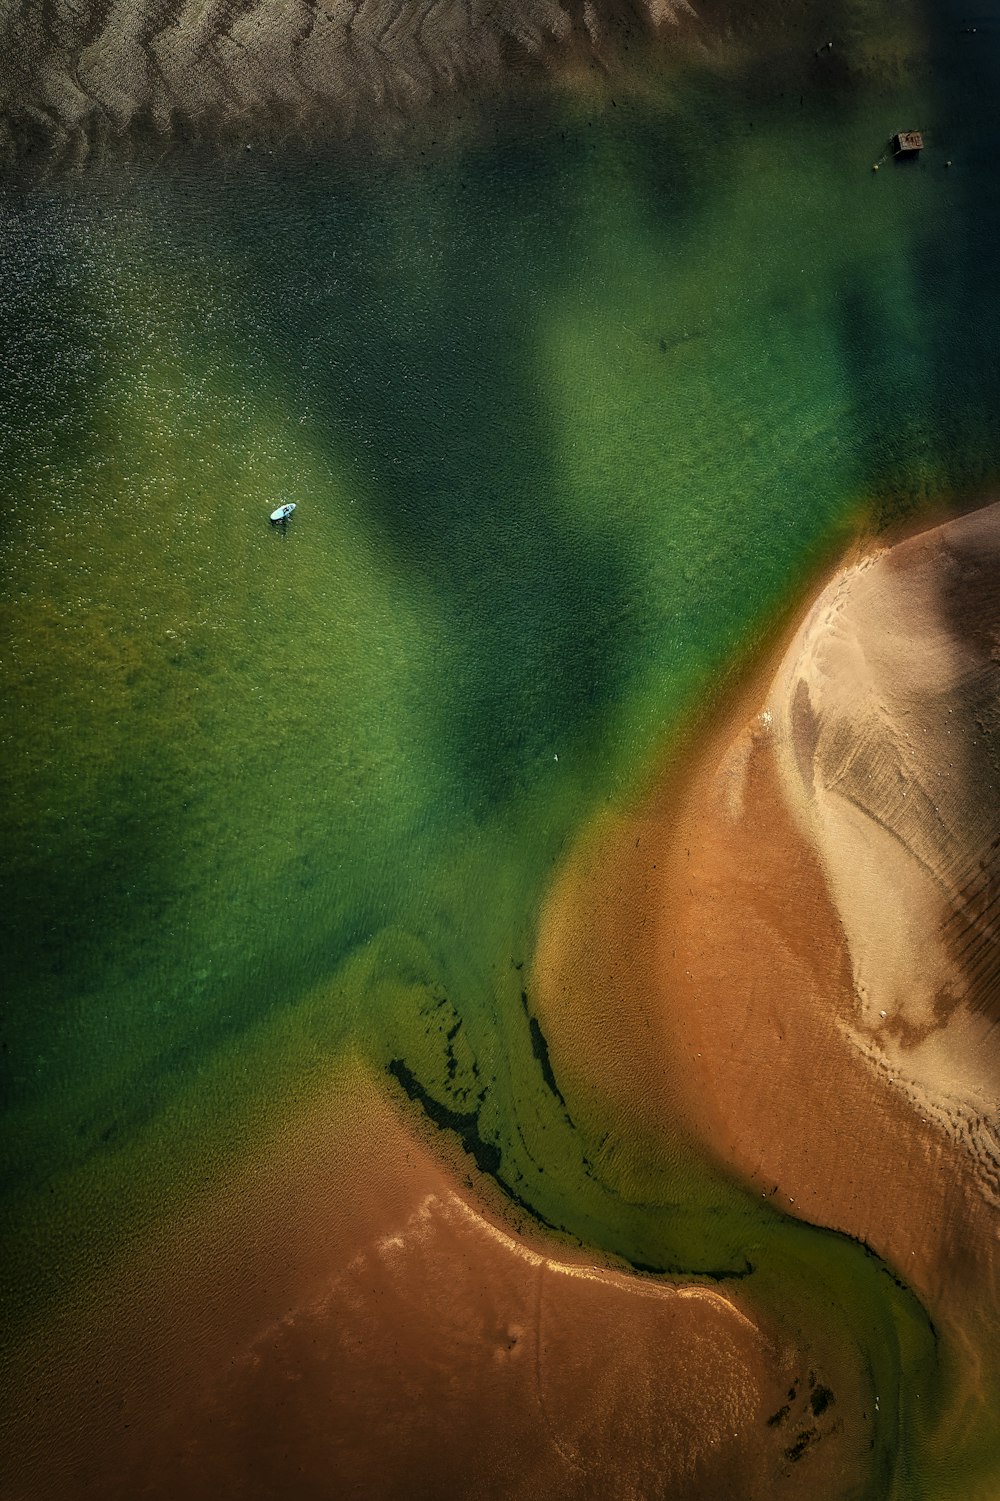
[344, 1323]
[695, 969]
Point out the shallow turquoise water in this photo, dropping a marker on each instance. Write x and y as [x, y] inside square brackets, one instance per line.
[569, 419]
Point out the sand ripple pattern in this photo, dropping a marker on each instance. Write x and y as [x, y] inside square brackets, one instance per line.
[82, 71]
[890, 733]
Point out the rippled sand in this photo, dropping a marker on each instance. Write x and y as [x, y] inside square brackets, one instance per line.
[887, 718]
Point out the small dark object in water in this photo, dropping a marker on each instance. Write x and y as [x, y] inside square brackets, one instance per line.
[907, 143]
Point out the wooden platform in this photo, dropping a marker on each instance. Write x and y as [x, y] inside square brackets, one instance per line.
[907, 143]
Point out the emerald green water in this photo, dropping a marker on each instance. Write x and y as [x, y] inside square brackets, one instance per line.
[570, 420]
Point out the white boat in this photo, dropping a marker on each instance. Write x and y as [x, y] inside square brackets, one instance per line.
[283, 512]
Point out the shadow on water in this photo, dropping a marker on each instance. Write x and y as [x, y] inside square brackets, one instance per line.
[891, 396]
[959, 271]
[413, 353]
[413, 357]
[423, 380]
[70, 883]
[928, 386]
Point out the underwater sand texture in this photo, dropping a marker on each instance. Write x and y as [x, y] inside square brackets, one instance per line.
[345, 1322]
[86, 75]
[95, 71]
[719, 962]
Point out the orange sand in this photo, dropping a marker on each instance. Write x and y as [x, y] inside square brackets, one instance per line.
[344, 1323]
[696, 972]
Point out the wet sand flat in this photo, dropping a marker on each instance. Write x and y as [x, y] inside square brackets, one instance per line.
[887, 724]
[346, 1322]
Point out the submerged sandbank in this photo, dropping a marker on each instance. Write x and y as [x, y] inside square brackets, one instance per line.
[92, 74]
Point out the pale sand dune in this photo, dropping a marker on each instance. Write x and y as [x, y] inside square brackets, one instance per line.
[344, 1323]
[887, 721]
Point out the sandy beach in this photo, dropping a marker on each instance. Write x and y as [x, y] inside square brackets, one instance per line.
[887, 711]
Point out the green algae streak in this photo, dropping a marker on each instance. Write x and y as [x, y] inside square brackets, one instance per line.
[569, 421]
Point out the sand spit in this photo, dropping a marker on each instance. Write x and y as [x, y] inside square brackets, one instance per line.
[346, 1323]
[93, 71]
[887, 727]
[790, 951]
